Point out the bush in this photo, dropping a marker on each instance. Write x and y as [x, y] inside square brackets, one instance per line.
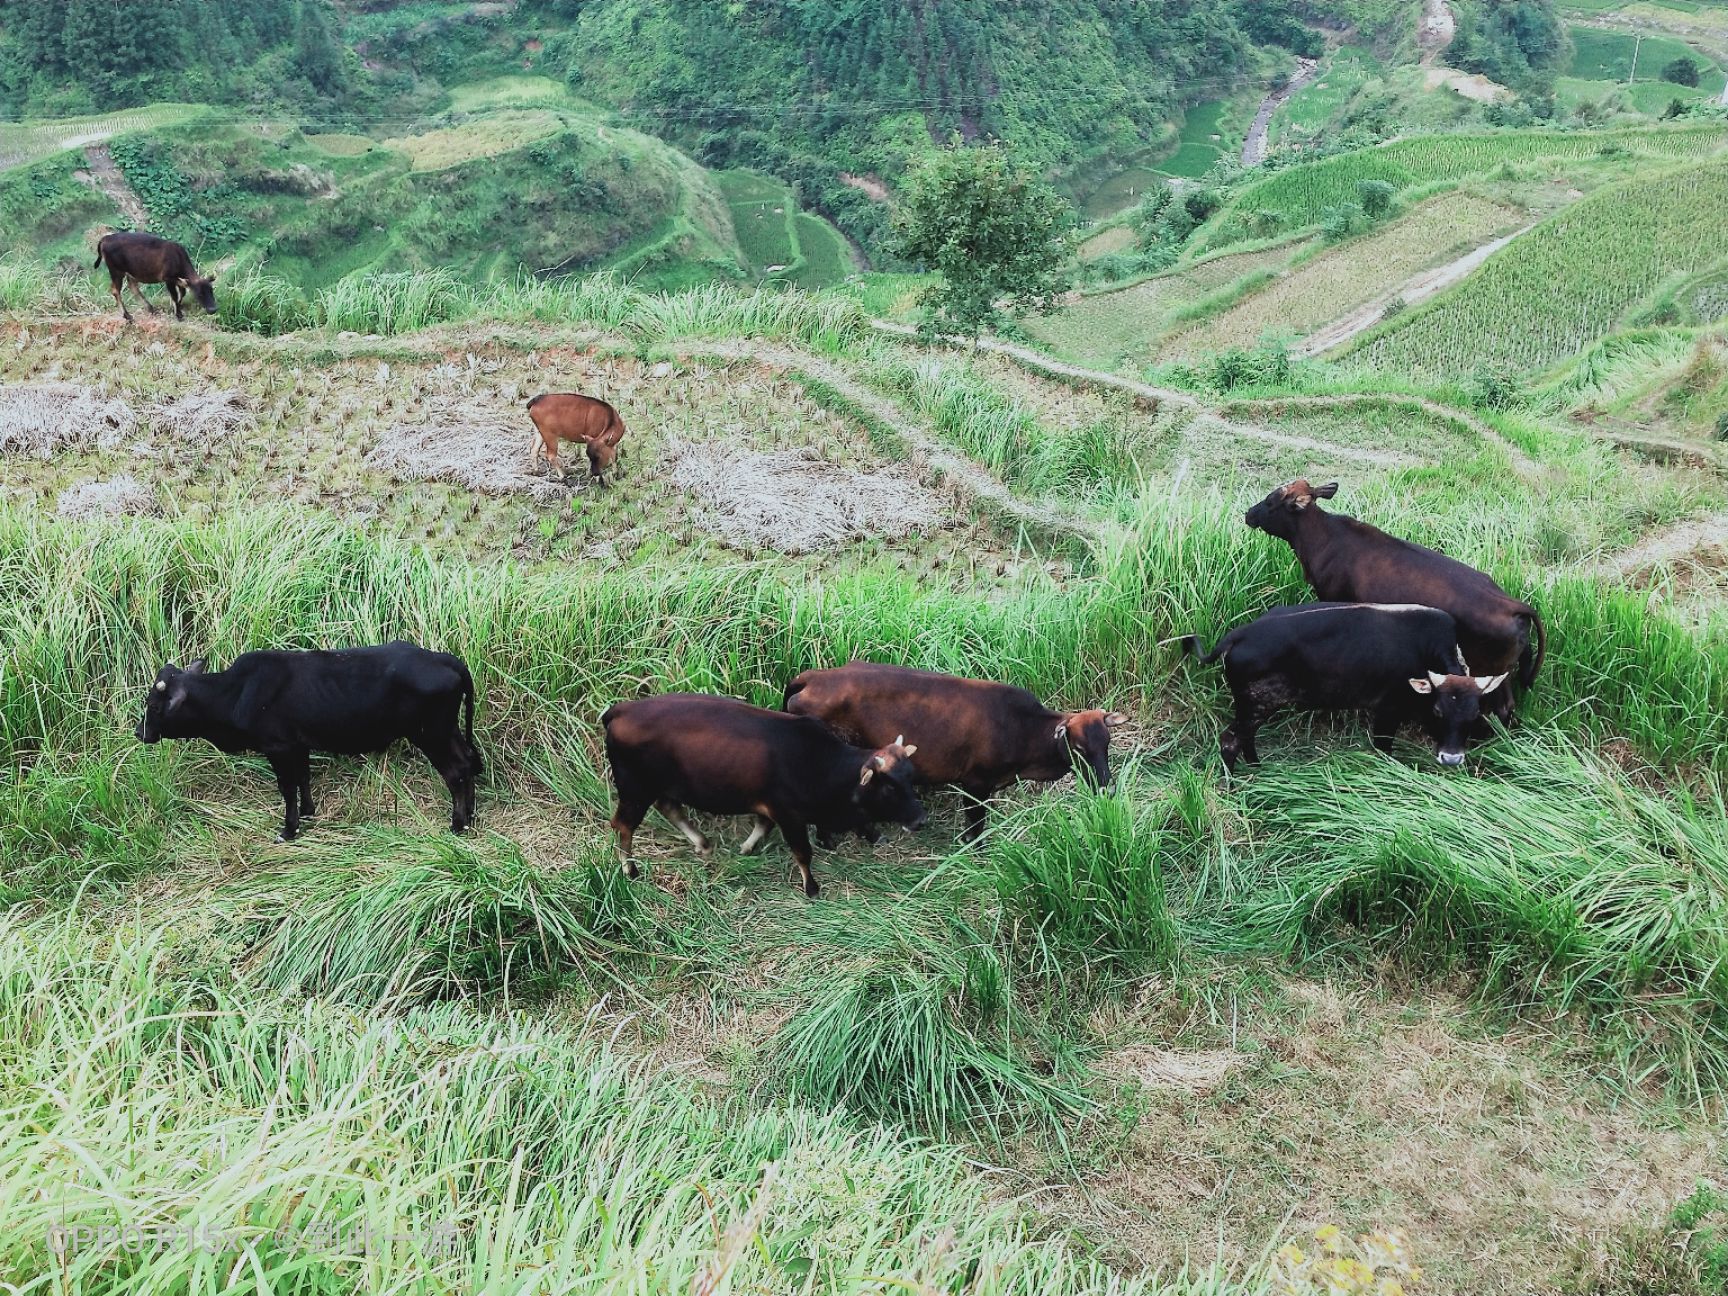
[1681, 71]
[1341, 222]
[1494, 387]
[1375, 197]
[1722, 426]
[1267, 365]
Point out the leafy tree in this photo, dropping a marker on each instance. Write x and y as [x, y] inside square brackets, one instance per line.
[1681, 71]
[316, 56]
[994, 231]
[1375, 197]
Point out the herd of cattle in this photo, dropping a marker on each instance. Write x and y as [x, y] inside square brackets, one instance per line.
[1394, 639]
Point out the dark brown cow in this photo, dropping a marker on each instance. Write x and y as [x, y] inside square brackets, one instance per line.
[571, 416]
[1348, 561]
[973, 734]
[146, 259]
[727, 757]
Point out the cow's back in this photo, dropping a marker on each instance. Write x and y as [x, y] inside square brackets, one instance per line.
[707, 751]
[958, 725]
[1337, 653]
[571, 416]
[348, 700]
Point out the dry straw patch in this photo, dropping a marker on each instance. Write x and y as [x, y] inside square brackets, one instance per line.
[45, 419]
[483, 449]
[121, 496]
[796, 502]
[203, 420]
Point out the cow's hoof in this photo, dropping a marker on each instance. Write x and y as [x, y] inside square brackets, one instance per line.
[282, 838]
[630, 869]
[812, 889]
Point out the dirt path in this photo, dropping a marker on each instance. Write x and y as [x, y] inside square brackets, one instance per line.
[1160, 396]
[1436, 31]
[1673, 542]
[104, 175]
[1416, 288]
[1254, 147]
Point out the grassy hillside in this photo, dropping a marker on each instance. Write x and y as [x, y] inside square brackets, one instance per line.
[1567, 283]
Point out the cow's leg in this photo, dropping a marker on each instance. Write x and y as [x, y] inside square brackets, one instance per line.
[1246, 726]
[758, 835]
[1385, 727]
[798, 838]
[473, 767]
[1229, 748]
[287, 766]
[307, 810]
[675, 815]
[115, 279]
[596, 469]
[975, 800]
[138, 292]
[626, 819]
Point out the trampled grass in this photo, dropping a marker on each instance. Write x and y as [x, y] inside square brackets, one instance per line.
[1565, 284]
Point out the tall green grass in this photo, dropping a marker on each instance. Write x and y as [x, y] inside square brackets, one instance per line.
[318, 1151]
[393, 302]
[22, 282]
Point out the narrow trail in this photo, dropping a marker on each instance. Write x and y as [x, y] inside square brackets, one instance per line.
[1417, 288]
[1254, 147]
[1677, 541]
[1043, 364]
[105, 176]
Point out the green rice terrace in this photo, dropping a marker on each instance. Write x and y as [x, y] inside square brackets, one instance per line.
[1345, 1021]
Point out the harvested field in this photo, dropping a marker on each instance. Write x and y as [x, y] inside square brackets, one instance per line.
[794, 502]
[46, 419]
[120, 496]
[480, 448]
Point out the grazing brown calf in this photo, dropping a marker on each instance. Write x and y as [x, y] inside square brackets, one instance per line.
[975, 734]
[1347, 561]
[728, 757]
[571, 416]
[146, 259]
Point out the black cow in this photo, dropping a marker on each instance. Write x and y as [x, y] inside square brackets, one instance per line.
[727, 757]
[1398, 661]
[1350, 561]
[290, 704]
[146, 259]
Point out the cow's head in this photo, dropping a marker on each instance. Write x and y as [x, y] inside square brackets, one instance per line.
[205, 291]
[165, 704]
[1276, 514]
[1086, 737]
[1457, 707]
[885, 793]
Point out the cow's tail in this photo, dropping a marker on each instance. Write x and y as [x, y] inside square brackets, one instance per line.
[100, 252]
[1530, 664]
[468, 704]
[1191, 644]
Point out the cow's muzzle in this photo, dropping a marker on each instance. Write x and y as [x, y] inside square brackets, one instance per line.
[1450, 759]
[144, 735]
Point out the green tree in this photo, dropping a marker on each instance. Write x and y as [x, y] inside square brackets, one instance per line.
[1375, 197]
[316, 56]
[995, 232]
[1681, 71]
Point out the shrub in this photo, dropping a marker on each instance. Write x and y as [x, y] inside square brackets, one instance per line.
[1341, 222]
[1681, 71]
[1375, 196]
[1494, 387]
[1722, 426]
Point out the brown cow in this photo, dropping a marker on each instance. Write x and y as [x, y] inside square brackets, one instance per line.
[146, 259]
[1348, 561]
[727, 757]
[973, 734]
[571, 416]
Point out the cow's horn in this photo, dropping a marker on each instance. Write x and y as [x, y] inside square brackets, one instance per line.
[899, 740]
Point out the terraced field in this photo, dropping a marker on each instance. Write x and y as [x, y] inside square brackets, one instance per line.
[1330, 285]
[1567, 283]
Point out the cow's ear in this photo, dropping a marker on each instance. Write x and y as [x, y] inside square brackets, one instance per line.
[1421, 686]
[868, 774]
[912, 750]
[196, 666]
[1327, 491]
[1488, 683]
[1061, 731]
[1115, 719]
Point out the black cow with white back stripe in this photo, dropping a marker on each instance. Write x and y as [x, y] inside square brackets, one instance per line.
[1398, 661]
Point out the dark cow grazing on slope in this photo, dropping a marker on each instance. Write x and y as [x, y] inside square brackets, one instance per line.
[974, 734]
[146, 259]
[571, 416]
[1398, 661]
[290, 704]
[1350, 561]
[728, 757]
